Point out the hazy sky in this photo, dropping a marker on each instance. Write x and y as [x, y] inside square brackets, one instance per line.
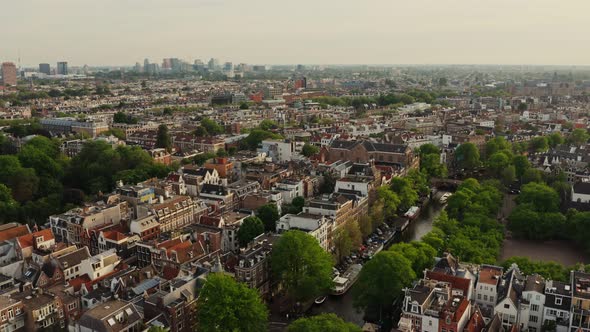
[121, 32]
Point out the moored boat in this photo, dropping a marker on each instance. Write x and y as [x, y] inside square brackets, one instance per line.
[412, 212]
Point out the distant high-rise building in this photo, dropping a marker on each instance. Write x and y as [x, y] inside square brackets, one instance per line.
[167, 64]
[8, 74]
[213, 64]
[138, 67]
[228, 66]
[146, 64]
[62, 68]
[45, 68]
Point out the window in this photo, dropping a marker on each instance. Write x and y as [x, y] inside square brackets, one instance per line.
[507, 306]
[479, 296]
[552, 312]
[429, 323]
[533, 319]
[491, 299]
[535, 307]
[485, 297]
[558, 300]
[415, 308]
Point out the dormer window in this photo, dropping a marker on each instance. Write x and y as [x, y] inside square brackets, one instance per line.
[558, 300]
[39, 239]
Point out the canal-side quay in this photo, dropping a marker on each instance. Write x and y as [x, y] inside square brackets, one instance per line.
[416, 229]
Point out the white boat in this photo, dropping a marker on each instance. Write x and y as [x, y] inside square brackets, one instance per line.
[412, 212]
[444, 198]
[343, 283]
[320, 299]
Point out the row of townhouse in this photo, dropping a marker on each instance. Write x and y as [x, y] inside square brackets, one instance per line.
[455, 297]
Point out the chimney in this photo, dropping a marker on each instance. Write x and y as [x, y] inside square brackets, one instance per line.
[161, 199]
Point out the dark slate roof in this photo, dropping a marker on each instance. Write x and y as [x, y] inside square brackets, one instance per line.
[582, 188]
[385, 147]
[74, 258]
[213, 189]
[347, 145]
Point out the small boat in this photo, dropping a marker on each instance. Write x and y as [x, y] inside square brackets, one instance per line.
[444, 198]
[343, 283]
[412, 212]
[320, 299]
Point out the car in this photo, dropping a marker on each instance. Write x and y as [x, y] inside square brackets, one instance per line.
[353, 256]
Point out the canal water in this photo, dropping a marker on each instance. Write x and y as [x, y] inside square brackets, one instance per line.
[342, 305]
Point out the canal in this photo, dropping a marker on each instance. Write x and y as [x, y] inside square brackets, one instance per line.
[342, 305]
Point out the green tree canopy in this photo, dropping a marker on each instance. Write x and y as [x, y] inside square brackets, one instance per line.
[542, 197]
[579, 137]
[555, 139]
[381, 280]
[404, 189]
[226, 305]
[389, 202]
[256, 136]
[212, 127]
[467, 156]
[322, 323]
[539, 144]
[269, 214]
[309, 150]
[163, 139]
[250, 228]
[301, 265]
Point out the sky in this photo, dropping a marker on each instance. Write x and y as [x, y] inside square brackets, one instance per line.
[122, 32]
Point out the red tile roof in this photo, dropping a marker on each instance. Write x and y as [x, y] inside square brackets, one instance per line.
[114, 235]
[456, 282]
[26, 241]
[14, 232]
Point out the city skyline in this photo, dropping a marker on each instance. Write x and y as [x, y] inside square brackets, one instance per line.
[120, 33]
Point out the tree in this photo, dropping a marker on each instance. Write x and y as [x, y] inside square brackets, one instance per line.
[532, 175]
[522, 107]
[309, 150]
[430, 164]
[542, 197]
[267, 125]
[244, 106]
[301, 265]
[256, 136]
[381, 281]
[508, 175]
[420, 254]
[212, 127]
[269, 214]
[497, 144]
[467, 156]
[405, 191]
[427, 149]
[387, 203]
[342, 244]
[555, 139]
[328, 183]
[8, 206]
[226, 305]
[201, 132]
[298, 203]
[539, 144]
[121, 117]
[163, 139]
[521, 165]
[497, 162]
[322, 323]
[579, 137]
[250, 229]
[222, 153]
